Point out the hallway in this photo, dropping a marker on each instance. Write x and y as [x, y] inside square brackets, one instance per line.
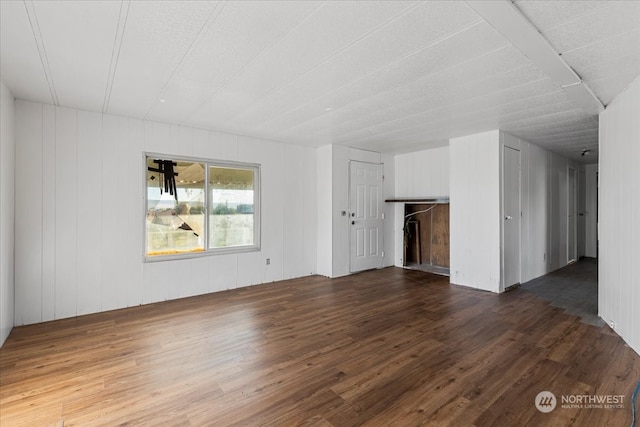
[573, 288]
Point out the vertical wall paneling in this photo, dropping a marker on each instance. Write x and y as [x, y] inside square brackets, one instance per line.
[159, 138]
[543, 189]
[561, 215]
[398, 237]
[340, 203]
[80, 194]
[157, 278]
[423, 173]
[525, 198]
[200, 144]
[294, 221]
[390, 225]
[28, 205]
[198, 280]
[222, 272]
[182, 140]
[252, 266]
[131, 208]
[310, 212]
[475, 211]
[536, 252]
[111, 286]
[333, 199]
[558, 212]
[591, 211]
[66, 212]
[49, 253]
[89, 212]
[324, 209]
[7, 209]
[619, 215]
[223, 146]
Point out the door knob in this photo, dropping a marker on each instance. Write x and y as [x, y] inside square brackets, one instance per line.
[508, 217]
[353, 223]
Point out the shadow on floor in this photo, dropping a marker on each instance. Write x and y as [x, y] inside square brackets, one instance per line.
[442, 271]
[573, 288]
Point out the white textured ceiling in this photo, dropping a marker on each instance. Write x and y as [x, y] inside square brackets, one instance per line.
[380, 75]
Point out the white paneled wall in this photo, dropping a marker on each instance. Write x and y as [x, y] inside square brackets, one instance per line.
[536, 220]
[391, 229]
[80, 213]
[475, 217]
[340, 235]
[544, 201]
[591, 212]
[422, 173]
[325, 207]
[475, 211]
[619, 215]
[333, 200]
[558, 212]
[7, 194]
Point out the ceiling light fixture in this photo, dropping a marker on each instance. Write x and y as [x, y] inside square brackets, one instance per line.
[585, 153]
[162, 100]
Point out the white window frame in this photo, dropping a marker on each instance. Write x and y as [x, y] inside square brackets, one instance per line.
[207, 250]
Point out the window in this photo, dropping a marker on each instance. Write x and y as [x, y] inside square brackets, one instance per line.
[200, 206]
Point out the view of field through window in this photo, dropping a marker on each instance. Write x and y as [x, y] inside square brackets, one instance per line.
[188, 213]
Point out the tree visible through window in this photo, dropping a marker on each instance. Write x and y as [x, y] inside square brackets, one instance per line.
[200, 206]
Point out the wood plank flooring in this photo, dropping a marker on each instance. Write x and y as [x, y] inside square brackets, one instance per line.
[381, 348]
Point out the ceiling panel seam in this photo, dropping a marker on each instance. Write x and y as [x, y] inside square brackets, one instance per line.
[330, 57]
[395, 88]
[612, 36]
[390, 64]
[416, 129]
[115, 53]
[203, 31]
[575, 18]
[509, 21]
[446, 106]
[42, 52]
[253, 60]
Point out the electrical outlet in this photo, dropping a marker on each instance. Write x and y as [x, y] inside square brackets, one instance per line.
[268, 261]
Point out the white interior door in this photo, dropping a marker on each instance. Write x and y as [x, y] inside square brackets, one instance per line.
[511, 217]
[572, 224]
[366, 215]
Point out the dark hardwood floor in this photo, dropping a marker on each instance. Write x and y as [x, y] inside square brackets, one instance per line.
[387, 347]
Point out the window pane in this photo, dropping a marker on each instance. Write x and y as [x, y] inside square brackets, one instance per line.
[231, 210]
[175, 222]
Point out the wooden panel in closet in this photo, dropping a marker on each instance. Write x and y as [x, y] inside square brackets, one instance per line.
[440, 236]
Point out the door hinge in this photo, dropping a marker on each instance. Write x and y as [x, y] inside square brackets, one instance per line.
[382, 254]
[382, 215]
